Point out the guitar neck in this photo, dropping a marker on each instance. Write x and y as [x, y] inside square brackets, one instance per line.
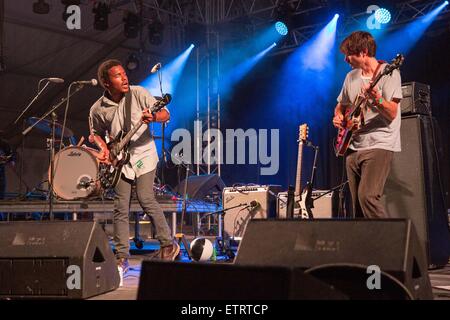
[129, 135]
[361, 101]
[298, 179]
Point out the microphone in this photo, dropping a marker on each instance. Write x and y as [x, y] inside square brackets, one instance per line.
[254, 204]
[92, 82]
[55, 80]
[156, 67]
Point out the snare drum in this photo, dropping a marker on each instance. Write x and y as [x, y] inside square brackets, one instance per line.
[76, 172]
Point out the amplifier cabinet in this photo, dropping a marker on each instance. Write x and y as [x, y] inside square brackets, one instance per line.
[244, 203]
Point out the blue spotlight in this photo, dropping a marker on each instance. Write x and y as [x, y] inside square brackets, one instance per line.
[382, 15]
[281, 27]
[336, 16]
[446, 2]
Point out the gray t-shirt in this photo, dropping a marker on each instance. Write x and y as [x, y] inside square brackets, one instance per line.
[378, 132]
[108, 116]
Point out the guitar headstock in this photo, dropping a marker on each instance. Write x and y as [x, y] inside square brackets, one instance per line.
[395, 64]
[303, 133]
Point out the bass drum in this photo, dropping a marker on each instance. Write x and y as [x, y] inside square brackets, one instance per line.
[76, 173]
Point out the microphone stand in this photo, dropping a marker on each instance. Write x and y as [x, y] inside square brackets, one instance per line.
[32, 101]
[51, 143]
[309, 201]
[27, 130]
[223, 248]
[180, 236]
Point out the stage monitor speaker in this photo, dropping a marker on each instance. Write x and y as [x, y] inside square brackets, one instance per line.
[237, 201]
[390, 244]
[198, 187]
[413, 190]
[204, 281]
[62, 260]
[416, 98]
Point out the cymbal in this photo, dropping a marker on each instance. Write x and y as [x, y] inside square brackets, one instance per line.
[46, 127]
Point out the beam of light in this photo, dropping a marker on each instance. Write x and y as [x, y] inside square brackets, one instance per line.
[170, 75]
[237, 73]
[403, 40]
[306, 78]
[316, 52]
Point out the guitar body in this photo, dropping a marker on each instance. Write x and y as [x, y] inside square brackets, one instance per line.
[352, 122]
[110, 172]
[306, 203]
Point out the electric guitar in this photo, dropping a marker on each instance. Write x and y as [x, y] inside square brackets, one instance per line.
[300, 198]
[353, 118]
[110, 171]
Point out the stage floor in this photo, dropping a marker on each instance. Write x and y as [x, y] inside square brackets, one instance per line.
[440, 278]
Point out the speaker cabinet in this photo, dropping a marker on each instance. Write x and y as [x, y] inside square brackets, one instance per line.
[64, 260]
[413, 190]
[390, 244]
[202, 281]
[416, 99]
[236, 202]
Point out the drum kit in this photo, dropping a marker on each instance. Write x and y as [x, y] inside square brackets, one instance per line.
[76, 168]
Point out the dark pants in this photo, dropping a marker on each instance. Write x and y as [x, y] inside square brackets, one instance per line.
[367, 172]
[147, 200]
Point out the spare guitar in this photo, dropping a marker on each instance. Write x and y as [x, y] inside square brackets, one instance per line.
[300, 197]
[353, 118]
[301, 210]
[119, 156]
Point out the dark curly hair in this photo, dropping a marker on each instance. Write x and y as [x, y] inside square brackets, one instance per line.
[102, 71]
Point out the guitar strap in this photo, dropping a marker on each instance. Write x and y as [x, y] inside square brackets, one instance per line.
[127, 120]
[380, 62]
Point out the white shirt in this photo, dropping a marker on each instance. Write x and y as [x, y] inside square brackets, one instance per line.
[107, 116]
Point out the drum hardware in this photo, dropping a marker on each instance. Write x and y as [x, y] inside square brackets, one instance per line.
[44, 124]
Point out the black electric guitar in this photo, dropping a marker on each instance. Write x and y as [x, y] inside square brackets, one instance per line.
[119, 155]
[301, 197]
[353, 119]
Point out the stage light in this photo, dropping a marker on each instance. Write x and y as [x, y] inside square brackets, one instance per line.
[132, 25]
[446, 2]
[101, 11]
[155, 32]
[281, 28]
[132, 62]
[382, 15]
[41, 7]
[336, 16]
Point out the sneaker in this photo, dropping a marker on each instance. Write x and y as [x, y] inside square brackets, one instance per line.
[122, 266]
[170, 252]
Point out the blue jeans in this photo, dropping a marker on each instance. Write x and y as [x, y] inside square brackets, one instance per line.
[147, 200]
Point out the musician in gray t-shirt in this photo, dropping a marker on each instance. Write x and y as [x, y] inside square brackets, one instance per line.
[368, 159]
